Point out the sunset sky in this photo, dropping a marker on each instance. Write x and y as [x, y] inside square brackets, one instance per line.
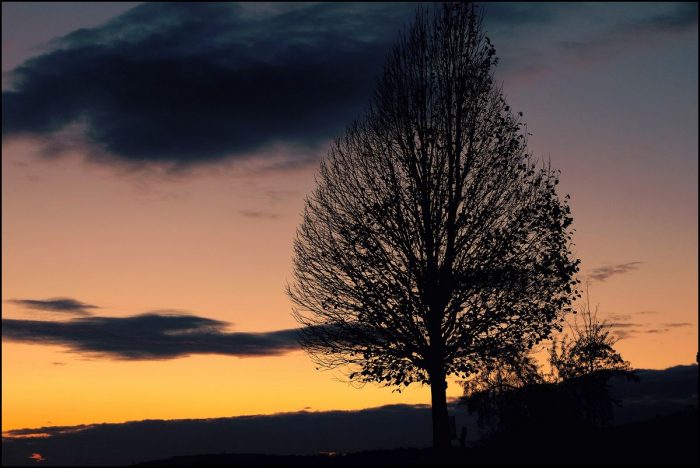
[155, 160]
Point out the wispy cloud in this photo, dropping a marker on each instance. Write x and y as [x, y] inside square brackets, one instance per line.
[677, 324]
[605, 272]
[56, 304]
[624, 330]
[275, 196]
[547, 38]
[624, 327]
[679, 18]
[620, 317]
[253, 214]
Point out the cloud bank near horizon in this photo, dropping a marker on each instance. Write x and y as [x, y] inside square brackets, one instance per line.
[152, 336]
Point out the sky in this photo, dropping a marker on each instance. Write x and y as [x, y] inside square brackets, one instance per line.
[155, 160]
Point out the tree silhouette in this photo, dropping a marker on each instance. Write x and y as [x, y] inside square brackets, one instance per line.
[510, 394]
[498, 394]
[585, 361]
[433, 239]
[588, 349]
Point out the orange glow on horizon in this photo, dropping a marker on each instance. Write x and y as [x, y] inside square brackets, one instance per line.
[37, 457]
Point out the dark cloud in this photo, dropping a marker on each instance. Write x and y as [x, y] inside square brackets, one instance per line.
[56, 304]
[151, 336]
[47, 431]
[177, 85]
[181, 84]
[605, 272]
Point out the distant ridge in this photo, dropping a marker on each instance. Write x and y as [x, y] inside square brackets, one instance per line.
[669, 440]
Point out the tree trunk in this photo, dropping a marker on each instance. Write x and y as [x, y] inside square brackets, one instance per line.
[441, 422]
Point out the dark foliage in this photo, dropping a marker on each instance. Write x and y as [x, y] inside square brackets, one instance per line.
[586, 362]
[511, 395]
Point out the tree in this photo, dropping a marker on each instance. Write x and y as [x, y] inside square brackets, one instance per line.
[588, 349]
[433, 239]
[585, 361]
[498, 394]
[510, 395]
